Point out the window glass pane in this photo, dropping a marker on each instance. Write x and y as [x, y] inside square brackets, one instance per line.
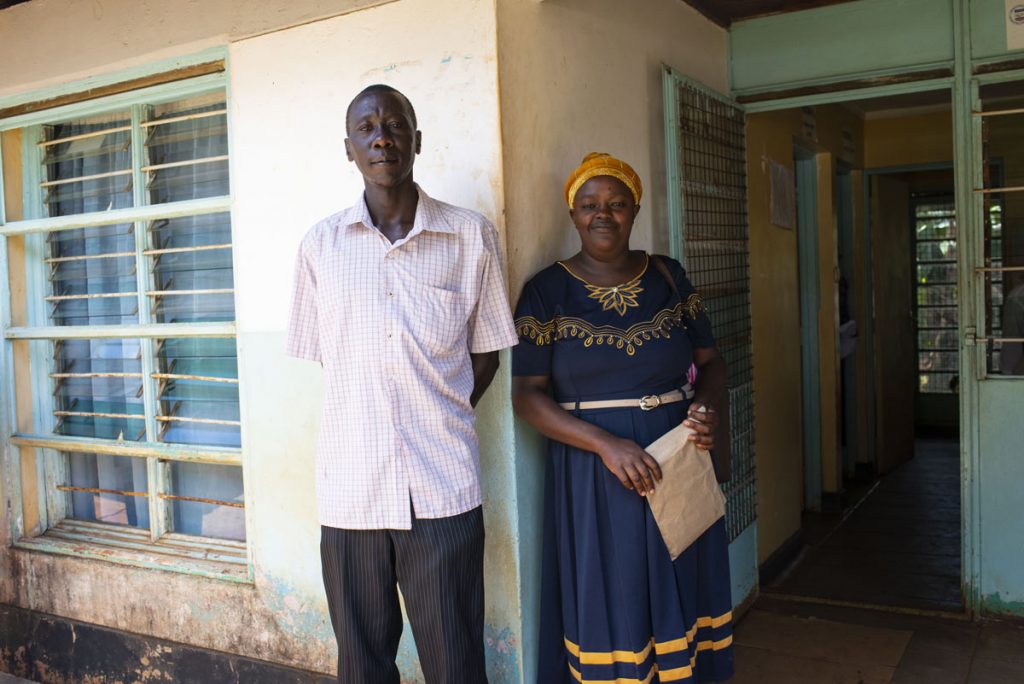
[936, 273]
[936, 250]
[937, 317]
[934, 340]
[119, 484]
[197, 391]
[186, 149]
[220, 486]
[98, 389]
[92, 276]
[86, 164]
[938, 383]
[192, 269]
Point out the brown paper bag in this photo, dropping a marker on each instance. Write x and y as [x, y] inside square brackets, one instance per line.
[688, 499]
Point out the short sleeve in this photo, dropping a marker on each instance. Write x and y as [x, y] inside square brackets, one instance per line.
[695, 315]
[536, 329]
[303, 327]
[490, 324]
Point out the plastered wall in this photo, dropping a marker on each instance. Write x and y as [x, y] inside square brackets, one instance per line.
[287, 94]
[579, 76]
[775, 305]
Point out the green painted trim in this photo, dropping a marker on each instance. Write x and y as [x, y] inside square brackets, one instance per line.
[967, 173]
[831, 81]
[121, 75]
[810, 300]
[165, 92]
[675, 197]
[151, 212]
[1000, 77]
[849, 95]
[186, 453]
[82, 332]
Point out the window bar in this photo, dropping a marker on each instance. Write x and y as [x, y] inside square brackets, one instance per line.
[998, 112]
[187, 162]
[184, 117]
[178, 250]
[156, 471]
[43, 144]
[990, 191]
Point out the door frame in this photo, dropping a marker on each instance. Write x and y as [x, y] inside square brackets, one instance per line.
[805, 162]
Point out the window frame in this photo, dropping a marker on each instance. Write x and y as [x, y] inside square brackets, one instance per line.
[159, 546]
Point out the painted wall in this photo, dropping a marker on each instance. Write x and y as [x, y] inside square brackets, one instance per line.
[908, 140]
[48, 42]
[775, 304]
[828, 43]
[287, 95]
[580, 76]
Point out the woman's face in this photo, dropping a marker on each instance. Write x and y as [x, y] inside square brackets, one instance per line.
[603, 212]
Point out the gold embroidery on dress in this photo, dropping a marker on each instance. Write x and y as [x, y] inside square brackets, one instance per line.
[694, 305]
[545, 332]
[617, 297]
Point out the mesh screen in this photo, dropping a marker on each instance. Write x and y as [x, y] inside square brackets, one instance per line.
[713, 173]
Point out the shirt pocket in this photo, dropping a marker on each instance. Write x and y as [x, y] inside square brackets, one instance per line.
[438, 319]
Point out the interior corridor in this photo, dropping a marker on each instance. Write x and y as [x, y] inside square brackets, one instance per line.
[900, 546]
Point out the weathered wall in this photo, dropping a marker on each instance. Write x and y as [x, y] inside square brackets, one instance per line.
[775, 304]
[287, 96]
[579, 76]
[49, 42]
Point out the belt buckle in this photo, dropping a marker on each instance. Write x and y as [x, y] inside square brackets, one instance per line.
[650, 402]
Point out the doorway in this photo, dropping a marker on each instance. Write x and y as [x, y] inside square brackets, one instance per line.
[876, 239]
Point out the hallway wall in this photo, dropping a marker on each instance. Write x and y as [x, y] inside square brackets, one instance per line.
[775, 302]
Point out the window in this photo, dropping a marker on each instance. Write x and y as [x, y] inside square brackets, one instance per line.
[122, 307]
[938, 356]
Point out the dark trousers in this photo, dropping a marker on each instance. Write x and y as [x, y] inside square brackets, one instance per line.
[438, 565]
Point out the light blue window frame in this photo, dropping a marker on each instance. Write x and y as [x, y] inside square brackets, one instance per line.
[217, 558]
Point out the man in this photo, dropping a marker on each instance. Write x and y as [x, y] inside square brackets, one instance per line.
[402, 299]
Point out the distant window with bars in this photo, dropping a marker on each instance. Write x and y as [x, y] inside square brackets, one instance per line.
[130, 283]
[711, 154]
[936, 294]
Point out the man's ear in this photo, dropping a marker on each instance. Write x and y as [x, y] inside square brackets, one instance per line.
[348, 150]
[419, 141]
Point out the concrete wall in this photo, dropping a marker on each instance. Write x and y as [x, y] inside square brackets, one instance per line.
[580, 76]
[287, 96]
[775, 304]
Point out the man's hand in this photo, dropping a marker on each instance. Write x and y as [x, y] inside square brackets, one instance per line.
[484, 367]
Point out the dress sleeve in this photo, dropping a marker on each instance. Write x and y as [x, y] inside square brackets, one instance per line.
[303, 325]
[536, 329]
[695, 316]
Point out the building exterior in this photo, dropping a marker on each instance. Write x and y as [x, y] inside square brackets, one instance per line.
[161, 162]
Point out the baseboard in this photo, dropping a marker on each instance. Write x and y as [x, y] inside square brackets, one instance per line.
[780, 559]
[48, 648]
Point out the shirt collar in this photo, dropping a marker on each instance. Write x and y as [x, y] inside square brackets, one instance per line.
[429, 216]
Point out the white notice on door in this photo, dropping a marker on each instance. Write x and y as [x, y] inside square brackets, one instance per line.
[1015, 24]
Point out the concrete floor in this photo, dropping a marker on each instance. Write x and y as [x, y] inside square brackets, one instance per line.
[782, 641]
[900, 546]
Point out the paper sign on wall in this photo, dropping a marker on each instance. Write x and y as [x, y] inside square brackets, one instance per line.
[1014, 24]
[783, 195]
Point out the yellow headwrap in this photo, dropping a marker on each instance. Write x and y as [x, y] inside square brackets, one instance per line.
[602, 164]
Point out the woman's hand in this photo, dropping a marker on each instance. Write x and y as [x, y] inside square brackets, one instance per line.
[635, 468]
[702, 419]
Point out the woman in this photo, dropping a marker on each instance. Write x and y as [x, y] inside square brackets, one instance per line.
[607, 324]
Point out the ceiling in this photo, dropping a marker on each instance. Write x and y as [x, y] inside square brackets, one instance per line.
[724, 12]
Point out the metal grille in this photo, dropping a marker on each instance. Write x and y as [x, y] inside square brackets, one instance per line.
[713, 184]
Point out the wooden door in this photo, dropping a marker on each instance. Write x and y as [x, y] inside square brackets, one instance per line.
[895, 331]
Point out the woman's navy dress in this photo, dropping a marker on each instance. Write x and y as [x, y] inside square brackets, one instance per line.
[614, 606]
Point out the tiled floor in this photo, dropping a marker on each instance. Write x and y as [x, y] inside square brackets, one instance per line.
[790, 642]
[899, 547]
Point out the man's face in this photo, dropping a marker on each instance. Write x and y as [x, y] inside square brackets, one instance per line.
[382, 140]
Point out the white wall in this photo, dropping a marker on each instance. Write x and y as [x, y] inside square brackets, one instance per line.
[48, 42]
[288, 91]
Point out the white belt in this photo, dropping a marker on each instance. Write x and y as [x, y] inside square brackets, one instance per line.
[648, 402]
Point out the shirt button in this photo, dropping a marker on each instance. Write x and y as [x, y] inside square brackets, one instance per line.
[391, 294]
